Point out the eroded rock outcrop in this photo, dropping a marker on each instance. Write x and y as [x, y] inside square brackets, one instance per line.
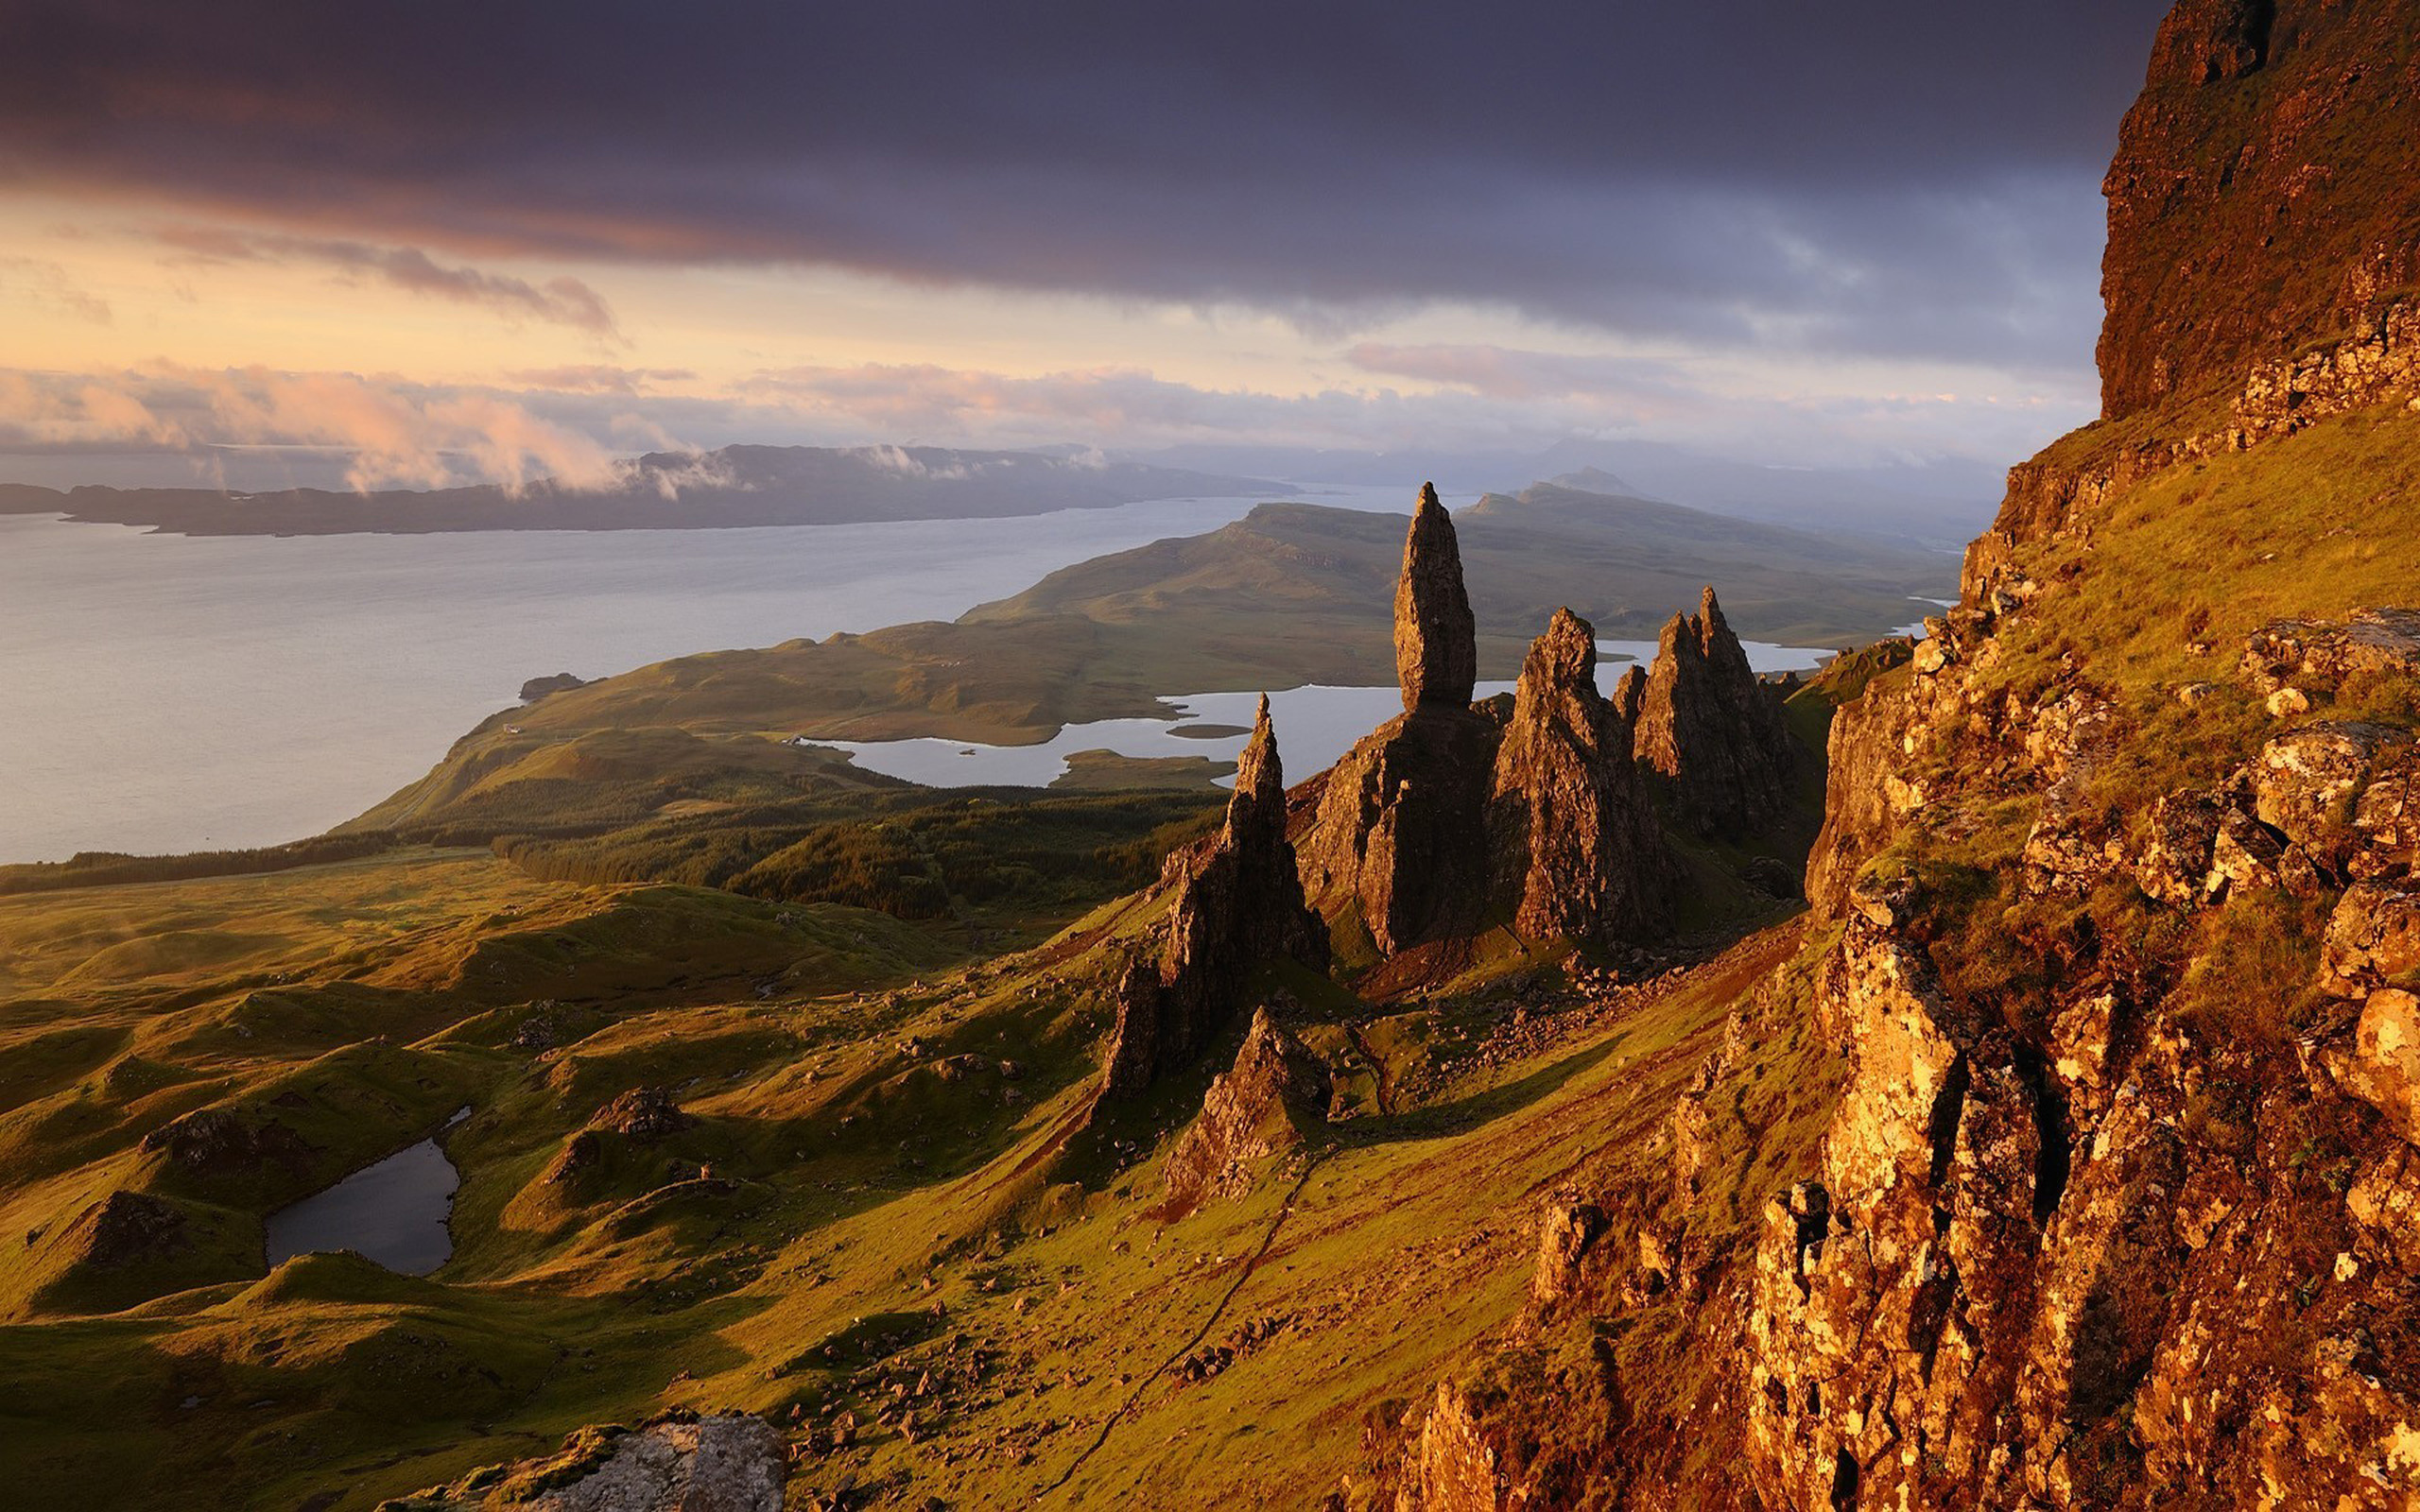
[1711, 731]
[732, 1462]
[1578, 844]
[1275, 1093]
[1399, 840]
[1234, 908]
[1532, 807]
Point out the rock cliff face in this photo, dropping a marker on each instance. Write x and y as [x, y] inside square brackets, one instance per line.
[2030, 1273]
[1711, 732]
[1235, 906]
[2259, 199]
[1578, 844]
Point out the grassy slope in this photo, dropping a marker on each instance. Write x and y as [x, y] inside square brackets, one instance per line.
[2158, 590]
[851, 1163]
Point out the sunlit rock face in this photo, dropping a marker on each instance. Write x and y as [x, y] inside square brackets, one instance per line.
[1399, 843]
[1578, 844]
[1711, 731]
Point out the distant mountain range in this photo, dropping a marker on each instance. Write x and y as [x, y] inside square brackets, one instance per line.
[735, 486]
[1942, 500]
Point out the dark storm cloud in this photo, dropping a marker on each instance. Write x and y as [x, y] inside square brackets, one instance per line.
[1905, 177]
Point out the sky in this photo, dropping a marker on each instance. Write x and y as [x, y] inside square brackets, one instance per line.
[440, 240]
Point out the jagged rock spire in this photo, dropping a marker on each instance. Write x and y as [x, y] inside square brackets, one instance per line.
[1436, 638]
[1260, 780]
[1711, 731]
[1237, 902]
[1579, 850]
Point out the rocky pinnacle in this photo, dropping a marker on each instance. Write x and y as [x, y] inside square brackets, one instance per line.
[1436, 639]
[1579, 847]
[1259, 802]
[1238, 901]
[1710, 731]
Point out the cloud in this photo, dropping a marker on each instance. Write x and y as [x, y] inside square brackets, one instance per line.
[44, 283]
[391, 434]
[558, 300]
[597, 378]
[1899, 178]
[581, 424]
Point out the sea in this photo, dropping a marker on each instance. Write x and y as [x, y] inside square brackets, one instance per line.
[163, 693]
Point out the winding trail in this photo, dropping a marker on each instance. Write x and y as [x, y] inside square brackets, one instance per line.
[1250, 1264]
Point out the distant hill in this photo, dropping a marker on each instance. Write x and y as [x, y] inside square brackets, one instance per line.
[1292, 595]
[1940, 500]
[735, 486]
[1627, 564]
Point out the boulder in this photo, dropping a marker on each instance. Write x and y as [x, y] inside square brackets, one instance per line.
[2373, 938]
[1711, 732]
[2383, 1067]
[2307, 783]
[2386, 820]
[2302, 654]
[2244, 856]
[643, 1115]
[730, 1462]
[2173, 865]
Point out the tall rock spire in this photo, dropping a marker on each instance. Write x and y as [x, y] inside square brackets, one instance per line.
[1436, 639]
[1397, 845]
[1259, 803]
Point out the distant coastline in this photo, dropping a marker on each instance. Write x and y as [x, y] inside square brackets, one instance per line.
[734, 488]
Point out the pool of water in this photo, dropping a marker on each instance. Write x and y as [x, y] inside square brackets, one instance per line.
[1315, 725]
[393, 1213]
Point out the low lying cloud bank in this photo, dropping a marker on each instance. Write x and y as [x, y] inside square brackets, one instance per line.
[580, 425]
[392, 433]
